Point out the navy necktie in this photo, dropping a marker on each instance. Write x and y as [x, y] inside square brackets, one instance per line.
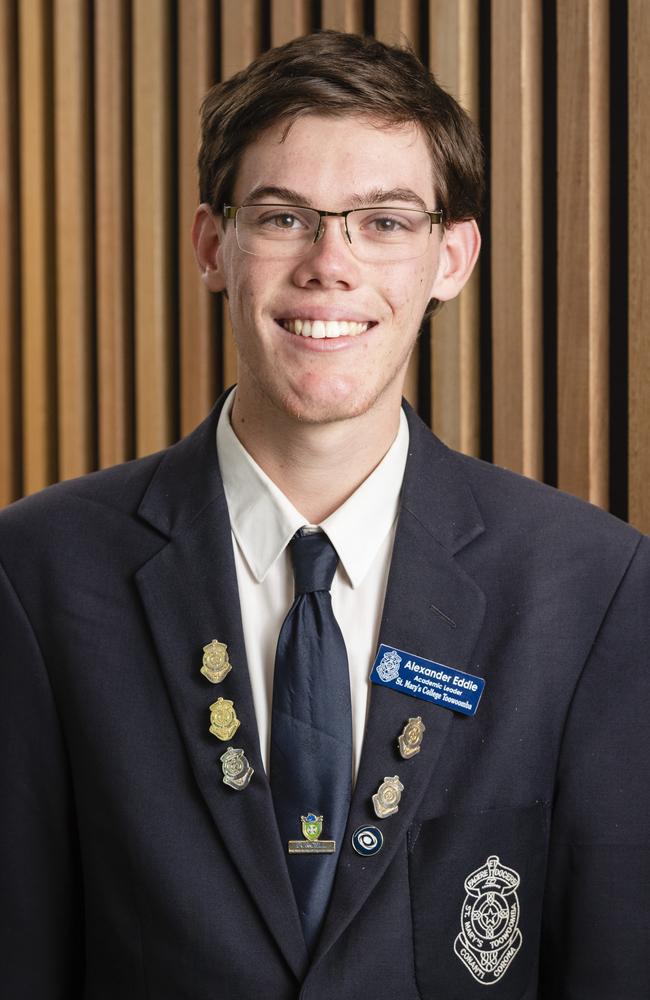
[311, 725]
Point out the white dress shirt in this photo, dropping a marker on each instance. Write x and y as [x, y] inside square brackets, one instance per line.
[362, 531]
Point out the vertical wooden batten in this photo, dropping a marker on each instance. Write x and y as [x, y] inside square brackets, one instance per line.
[455, 355]
[290, 18]
[397, 22]
[240, 42]
[113, 233]
[342, 15]
[74, 257]
[152, 158]
[9, 271]
[197, 348]
[516, 212]
[583, 248]
[639, 258]
[37, 244]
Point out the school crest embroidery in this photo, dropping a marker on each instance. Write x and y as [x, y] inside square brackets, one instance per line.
[388, 668]
[490, 937]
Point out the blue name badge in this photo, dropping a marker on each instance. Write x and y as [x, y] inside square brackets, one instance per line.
[428, 680]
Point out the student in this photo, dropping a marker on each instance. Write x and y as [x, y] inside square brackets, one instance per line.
[204, 794]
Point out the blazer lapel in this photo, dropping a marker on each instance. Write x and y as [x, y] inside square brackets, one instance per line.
[434, 610]
[189, 593]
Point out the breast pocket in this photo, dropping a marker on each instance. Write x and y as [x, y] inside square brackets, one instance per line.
[476, 882]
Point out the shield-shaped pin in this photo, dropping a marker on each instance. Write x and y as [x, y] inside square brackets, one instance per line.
[311, 826]
[215, 663]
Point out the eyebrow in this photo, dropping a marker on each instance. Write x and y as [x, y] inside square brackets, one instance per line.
[376, 196]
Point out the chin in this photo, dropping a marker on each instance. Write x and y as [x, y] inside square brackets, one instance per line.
[310, 408]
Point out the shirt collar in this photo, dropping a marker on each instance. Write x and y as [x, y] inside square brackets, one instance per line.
[263, 520]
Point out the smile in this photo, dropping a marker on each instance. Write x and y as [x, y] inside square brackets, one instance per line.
[319, 329]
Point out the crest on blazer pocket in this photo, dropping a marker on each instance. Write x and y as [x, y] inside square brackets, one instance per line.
[490, 936]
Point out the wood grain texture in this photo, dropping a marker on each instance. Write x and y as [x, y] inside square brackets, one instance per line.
[342, 15]
[113, 233]
[397, 23]
[290, 18]
[74, 259]
[455, 357]
[197, 347]
[516, 207]
[583, 247]
[639, 257]
[37, 244]
[152, 156]
[240, 43]
[9, 272]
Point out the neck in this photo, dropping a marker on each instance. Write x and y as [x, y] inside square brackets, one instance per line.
[317, 466]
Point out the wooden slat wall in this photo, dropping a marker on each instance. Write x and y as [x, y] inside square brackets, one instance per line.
[455, 349]
[36, 200]
[516, 211]
[113, 232]
[241, 41]
[153, 154]
[639, 270]
[9, 271]
[74, 285]
[396, 22]
[197, 346]
[109, 345]
[583, 248]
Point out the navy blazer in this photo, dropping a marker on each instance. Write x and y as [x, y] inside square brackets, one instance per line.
[131, 872]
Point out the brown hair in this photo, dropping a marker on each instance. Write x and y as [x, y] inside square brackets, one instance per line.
[332, 73]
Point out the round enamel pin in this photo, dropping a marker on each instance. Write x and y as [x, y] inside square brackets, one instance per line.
[367, 840]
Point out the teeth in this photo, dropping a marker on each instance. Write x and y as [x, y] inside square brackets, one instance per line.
[320, 329]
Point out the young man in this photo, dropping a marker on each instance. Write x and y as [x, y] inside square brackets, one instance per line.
[205, 794]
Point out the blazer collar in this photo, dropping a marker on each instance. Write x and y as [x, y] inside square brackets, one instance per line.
[434, 490]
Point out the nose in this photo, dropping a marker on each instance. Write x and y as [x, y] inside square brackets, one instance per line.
[330, 262]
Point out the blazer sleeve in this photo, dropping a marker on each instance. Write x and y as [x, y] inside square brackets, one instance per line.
[41, 946]
[596, 936]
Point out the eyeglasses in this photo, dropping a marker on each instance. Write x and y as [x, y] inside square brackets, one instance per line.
[376, 234]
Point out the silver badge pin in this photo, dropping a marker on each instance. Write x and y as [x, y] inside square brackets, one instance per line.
[237, 772]
[387, 797]
[410, 739]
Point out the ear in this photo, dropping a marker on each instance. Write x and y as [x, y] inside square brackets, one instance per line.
[459, 250]
[207, 236]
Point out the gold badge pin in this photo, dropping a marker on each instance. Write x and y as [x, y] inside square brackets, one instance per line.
[237, 772]
[387, 797]
[216, 664]
[410, 739]
[223, 719]
[312, 826]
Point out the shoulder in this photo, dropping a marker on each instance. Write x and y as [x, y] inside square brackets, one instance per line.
[509, 499]
[514, 530]
[116, 491]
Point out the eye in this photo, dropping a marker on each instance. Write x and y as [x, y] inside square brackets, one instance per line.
[283, 221]
[387, 225]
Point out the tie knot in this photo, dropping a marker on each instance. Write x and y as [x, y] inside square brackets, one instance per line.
[314, 561]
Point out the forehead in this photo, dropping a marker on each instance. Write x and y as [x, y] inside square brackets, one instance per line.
[333, 163]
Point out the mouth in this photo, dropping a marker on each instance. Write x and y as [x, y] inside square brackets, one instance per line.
[329, 329]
